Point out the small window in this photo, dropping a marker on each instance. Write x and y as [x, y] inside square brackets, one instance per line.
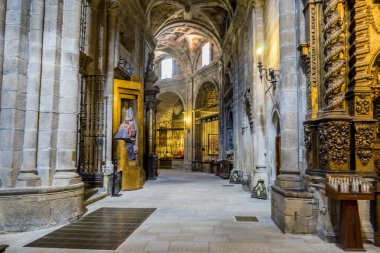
[167, 68]
[206, 54]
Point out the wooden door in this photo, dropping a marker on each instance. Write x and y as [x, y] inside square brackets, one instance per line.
[278, 155]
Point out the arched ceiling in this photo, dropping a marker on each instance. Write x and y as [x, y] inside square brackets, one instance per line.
[181, 27]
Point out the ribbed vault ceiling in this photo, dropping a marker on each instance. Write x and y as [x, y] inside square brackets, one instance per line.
[181, 27]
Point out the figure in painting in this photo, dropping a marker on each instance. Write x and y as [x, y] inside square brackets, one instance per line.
[128, 132]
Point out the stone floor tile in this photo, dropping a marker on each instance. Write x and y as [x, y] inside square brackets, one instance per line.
[175, 237]
[211, 238]
[189, 247]
[198, 230]
[239, 247]
[157, 246]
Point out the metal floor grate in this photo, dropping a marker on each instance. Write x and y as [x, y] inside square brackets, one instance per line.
[247, 218]
[104, 229]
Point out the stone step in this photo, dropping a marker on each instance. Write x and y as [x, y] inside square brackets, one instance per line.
[88, 192]
[96, 197]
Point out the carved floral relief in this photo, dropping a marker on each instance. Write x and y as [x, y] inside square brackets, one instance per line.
[334, 142]
[364, 138]
[363, 105]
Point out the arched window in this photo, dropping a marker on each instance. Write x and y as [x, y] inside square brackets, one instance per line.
[167, 68]
[206, 54]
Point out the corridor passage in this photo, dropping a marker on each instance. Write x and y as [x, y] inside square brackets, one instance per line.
[195, 213]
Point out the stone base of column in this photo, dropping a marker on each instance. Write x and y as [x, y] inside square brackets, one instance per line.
[259, 173]
[62, 178]
[46, 174]
[293, 210]
[288, 181]
[28, 209]
[187, 165]
[28, 179]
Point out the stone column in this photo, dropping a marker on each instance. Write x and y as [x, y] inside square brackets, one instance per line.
[191, 113]
[12, 115]
[3, 9]
[258, 88]
[65, 170]
[289, 172]
[28, 174]
[49, 93]
[112, 14]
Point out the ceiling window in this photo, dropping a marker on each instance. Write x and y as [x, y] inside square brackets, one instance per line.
[167, 68]
[206, 54]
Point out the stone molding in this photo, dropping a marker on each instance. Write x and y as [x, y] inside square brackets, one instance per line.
[28, 209]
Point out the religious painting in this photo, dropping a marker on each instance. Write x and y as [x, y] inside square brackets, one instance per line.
[213, 144]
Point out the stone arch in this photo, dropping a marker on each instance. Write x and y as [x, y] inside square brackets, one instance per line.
[274, 144]
[276, 120]
[207, 81]
[170, 125]
[175, 92]
[206, 125]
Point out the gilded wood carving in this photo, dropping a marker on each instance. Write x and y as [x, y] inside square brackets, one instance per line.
[334, 144]
[308, 137]
[364, 138]
[350, 76]
[335, 55]
[363, 104]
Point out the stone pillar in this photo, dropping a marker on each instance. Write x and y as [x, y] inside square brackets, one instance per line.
[65, 170]
[190, 135]
[258, 88]
[112, 14]
[28, 174]
[150, 107]
[223, 144]
[3, 9]
[49, 93]
[289, 172]
[92, 35]
[12, 115]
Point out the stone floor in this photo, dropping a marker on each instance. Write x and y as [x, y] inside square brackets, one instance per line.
[195, 214]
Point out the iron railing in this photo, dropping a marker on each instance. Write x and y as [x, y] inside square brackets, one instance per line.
[91, 127]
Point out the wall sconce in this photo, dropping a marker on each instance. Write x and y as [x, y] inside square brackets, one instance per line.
[270, 74]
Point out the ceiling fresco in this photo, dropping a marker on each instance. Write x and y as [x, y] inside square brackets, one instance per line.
[182, 27]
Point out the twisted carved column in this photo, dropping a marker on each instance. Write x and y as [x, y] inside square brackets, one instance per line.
[334, 56]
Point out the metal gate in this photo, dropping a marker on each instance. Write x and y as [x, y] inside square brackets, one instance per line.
[91, 128]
